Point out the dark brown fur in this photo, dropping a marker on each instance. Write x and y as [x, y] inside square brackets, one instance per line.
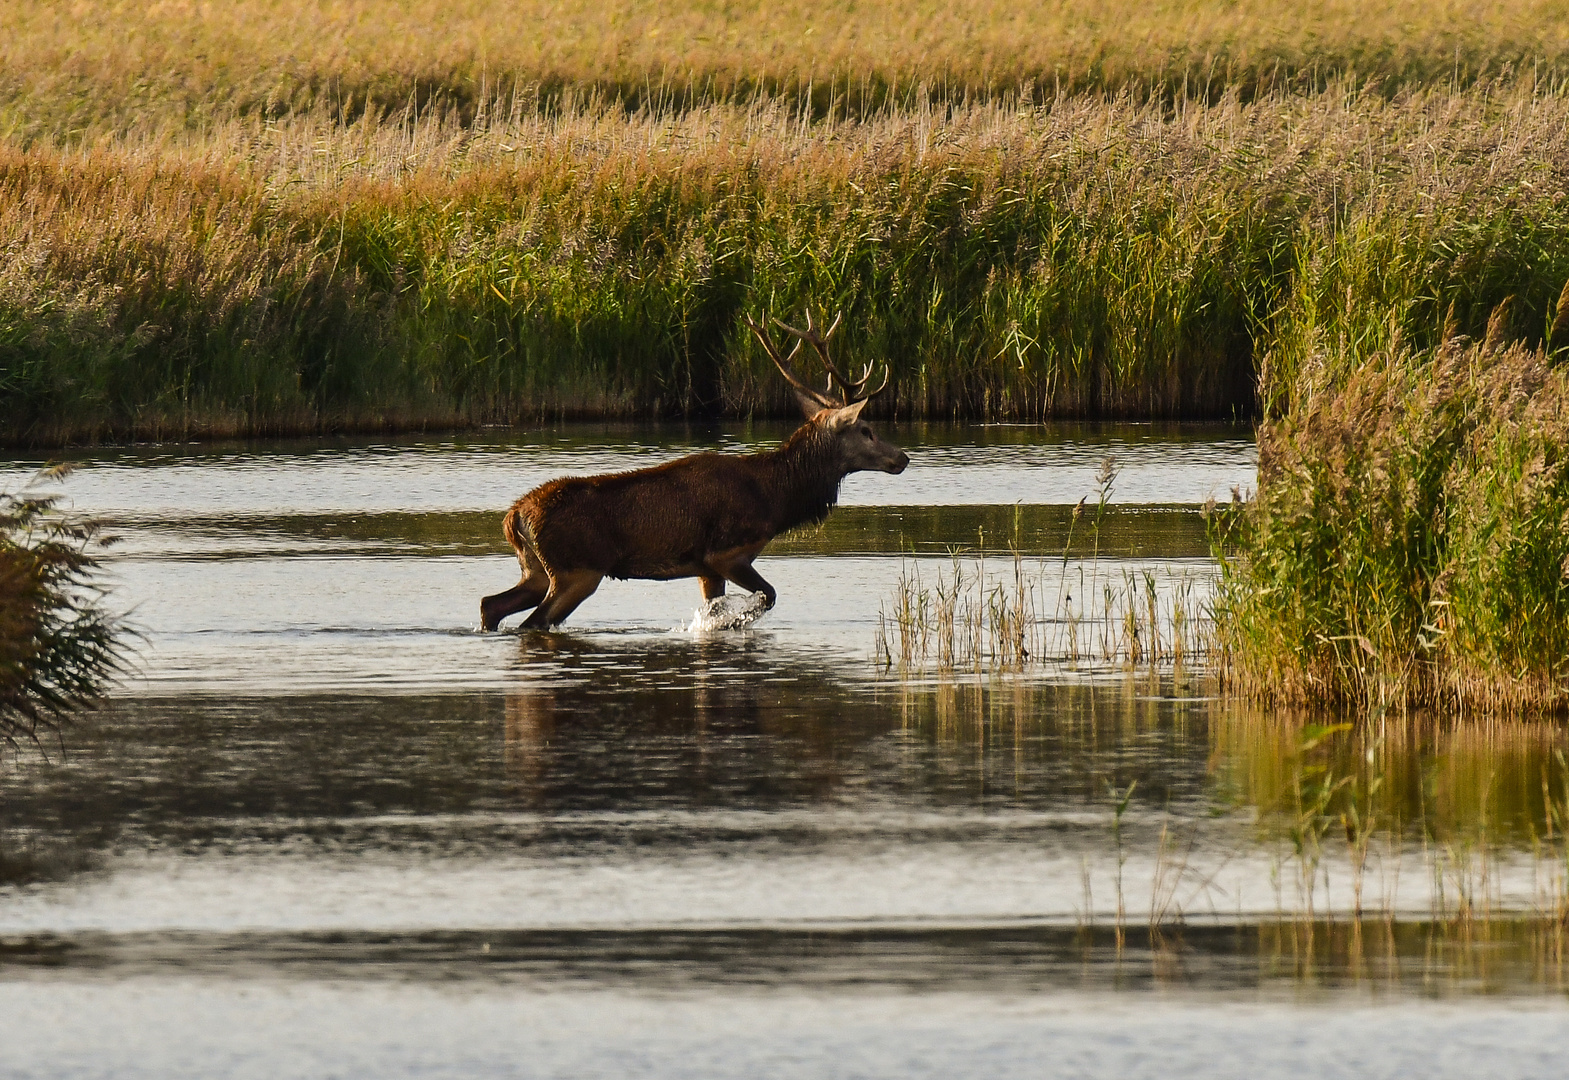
[705, 516]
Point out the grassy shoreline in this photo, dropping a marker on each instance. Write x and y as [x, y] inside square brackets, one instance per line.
[280, 217]
[1082, 257]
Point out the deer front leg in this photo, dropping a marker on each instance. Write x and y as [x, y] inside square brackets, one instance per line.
[749, 579]
[713, 585]
[735, 566]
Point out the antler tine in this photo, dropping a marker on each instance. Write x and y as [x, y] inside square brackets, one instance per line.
[783, 363]
[819, 343]
[768, 342]
[887, 374]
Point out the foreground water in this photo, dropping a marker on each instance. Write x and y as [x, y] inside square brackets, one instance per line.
[330, 829]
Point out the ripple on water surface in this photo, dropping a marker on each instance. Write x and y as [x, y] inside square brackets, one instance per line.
[327, 827]
[948, 466]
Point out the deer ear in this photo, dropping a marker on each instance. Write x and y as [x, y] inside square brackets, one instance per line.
[849, 414]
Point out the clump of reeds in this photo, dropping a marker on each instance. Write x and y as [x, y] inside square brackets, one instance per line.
[968, 617]
[59, 645]
[1409, 543]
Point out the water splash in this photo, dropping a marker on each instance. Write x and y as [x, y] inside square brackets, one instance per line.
[727, 613]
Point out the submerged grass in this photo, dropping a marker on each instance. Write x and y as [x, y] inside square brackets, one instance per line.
[972, 617]
[1018, 257]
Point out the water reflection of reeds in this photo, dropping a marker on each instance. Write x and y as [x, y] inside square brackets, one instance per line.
[1416, 775]
[1463, 822]
[1429, 957]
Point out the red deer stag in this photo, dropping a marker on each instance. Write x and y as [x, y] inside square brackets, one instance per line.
[705, 516]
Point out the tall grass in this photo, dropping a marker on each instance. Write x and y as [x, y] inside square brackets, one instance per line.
[1017, 257]
[1409, 544]
[89, 68]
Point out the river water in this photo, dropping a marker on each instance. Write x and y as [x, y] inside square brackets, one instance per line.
[327, 828]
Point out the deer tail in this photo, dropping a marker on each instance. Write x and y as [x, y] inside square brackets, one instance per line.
[517, 530]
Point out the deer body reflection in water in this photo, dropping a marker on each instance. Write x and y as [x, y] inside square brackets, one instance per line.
[706, 515]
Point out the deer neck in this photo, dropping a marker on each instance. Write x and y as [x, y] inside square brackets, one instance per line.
[804, 474]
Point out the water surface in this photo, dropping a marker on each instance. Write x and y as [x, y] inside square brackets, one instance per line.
[328, 828]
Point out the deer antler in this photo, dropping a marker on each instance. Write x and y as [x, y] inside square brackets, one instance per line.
[787, 370]
[851, 388]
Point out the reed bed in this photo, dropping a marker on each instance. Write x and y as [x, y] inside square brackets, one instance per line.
[88, 68]
[1019, 257]
[1409, 545]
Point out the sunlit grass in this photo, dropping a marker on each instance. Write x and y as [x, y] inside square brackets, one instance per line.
[85, 68]
[1078, 257]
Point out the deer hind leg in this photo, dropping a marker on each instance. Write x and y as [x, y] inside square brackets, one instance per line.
[522, 596]
[567, 591]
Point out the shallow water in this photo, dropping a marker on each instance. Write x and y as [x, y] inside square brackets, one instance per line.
[328, 828]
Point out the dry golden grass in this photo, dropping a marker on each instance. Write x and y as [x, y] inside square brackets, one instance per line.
[88, 67]
[206, 231]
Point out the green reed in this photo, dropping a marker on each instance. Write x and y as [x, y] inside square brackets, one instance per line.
[1408, 545]
[59, 645]
[1017, 257]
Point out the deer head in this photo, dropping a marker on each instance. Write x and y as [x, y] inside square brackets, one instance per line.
[837, 413]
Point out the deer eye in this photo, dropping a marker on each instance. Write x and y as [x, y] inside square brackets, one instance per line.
[867, 432]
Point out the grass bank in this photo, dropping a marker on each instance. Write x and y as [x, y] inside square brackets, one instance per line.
[1012, 258]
